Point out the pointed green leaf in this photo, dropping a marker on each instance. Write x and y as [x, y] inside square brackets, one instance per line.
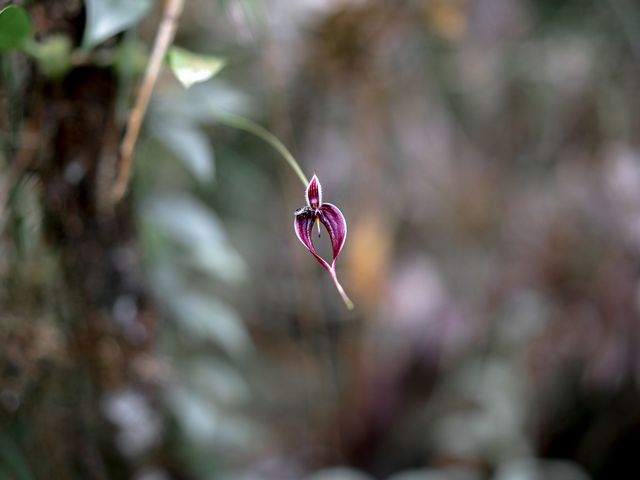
[15, 27]
[191, 68]
[106, 18]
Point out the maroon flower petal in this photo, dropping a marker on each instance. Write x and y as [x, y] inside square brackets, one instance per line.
[333, 220]
[303, 225]
[314, 193]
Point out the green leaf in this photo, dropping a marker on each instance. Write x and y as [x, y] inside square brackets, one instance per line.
[53, 55]
[106, 18]
[209, 319]
[218, 381]
[205, 422]
[188, 143]
[202, 103]
[192, 226]
[131, 57]
[191, 68]
[199, 418]
[15, 27]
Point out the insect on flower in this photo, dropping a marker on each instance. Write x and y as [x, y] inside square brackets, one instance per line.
[330, 216]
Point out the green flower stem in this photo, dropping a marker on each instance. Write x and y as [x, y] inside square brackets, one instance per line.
[252, 127]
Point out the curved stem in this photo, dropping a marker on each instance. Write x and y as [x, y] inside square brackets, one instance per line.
[252, 127]
[347, 301]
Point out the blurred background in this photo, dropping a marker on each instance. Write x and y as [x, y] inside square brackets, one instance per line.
[486, 155]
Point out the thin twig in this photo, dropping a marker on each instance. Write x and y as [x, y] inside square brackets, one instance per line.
[164, 37]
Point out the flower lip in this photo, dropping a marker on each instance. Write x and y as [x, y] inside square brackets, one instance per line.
[303, 225]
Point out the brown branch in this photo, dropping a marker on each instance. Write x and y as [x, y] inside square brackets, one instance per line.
[164, 37]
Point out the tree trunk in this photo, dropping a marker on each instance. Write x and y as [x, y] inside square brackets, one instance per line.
[69, 142]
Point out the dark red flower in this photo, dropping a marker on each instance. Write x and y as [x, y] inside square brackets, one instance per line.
[327, 214]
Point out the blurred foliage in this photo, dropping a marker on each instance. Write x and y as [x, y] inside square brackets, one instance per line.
[191, 68]
[106, 18]
[15, 27]
[487, 159]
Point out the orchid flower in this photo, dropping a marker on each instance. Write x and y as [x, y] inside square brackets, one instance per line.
[314, 212]
[327, 214]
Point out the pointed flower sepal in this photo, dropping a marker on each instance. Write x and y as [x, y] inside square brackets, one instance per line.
[330, 216]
